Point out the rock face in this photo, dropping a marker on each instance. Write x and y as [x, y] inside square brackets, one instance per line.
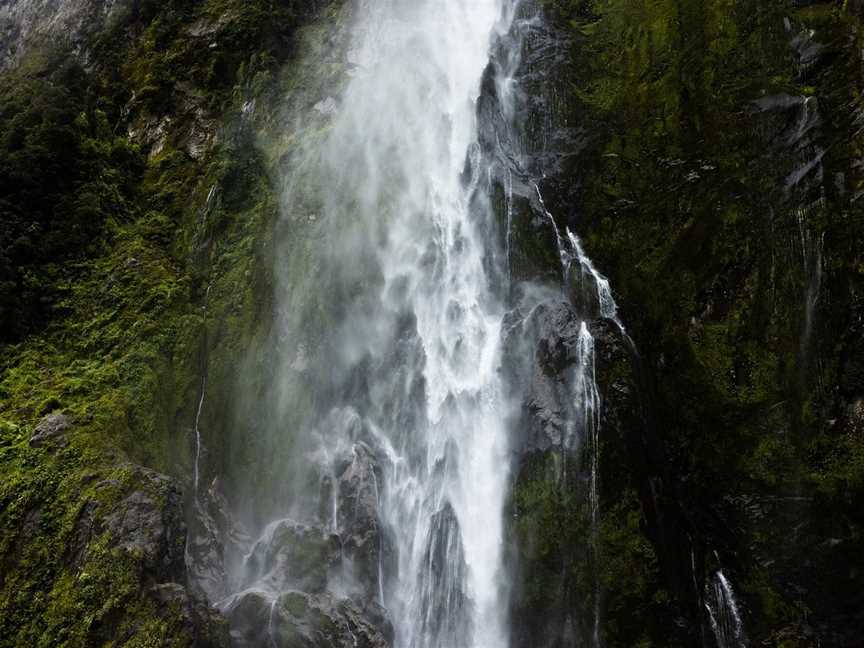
[358, 523]
[541, 349]
[292, 556]
[729, 441]
[555, 595]
[63, 24]
[149, 524]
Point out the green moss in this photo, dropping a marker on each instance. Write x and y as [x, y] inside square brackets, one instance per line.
[164, 287]
[685, 207]
[629, 575]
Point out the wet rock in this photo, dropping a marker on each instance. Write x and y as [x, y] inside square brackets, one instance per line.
[249, 615]
[548, 337]
[206, 627]
[215, 539]
[300, 620]
[291, 555]
[583, 291]
[533, 245]
[51, 429]
[359, 526]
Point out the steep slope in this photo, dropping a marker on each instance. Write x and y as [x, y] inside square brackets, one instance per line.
[135, 214]
[709, 154]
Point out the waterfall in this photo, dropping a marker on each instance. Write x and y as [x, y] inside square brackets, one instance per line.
[388, 391]
[398, 151]
[384, 446]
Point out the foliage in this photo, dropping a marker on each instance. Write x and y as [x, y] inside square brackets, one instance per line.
[699, 199]
[64, 177]
[125, 260]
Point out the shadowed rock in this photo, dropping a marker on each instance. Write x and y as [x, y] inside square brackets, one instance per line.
[293, 556]
[359, 526]
[300, 620]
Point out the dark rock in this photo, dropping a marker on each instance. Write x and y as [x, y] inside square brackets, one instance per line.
[583, 291]
[290, 555]
[359, 526]
[148, 523]
[300, 620]
[51, 429]
[548, 338]
[215, 539]
[206, 627]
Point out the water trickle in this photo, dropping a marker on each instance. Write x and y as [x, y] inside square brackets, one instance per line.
[591, 296]
[724, 613]
[271, 636]
[198, 434]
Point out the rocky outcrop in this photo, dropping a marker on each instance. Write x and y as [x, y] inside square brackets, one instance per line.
[148, 523]
[148, 526]
[541, 353]
[305, 585]
[558, 545]
[358, 521]
[292, 556]
[301, 620]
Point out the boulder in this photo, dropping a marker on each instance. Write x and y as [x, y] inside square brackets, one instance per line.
[149, 524]
[51, 429]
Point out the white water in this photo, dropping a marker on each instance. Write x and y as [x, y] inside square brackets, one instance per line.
[400, 341]
[389, 338]
[198, 433]
[398, 149]
[580, 274]
[723, 612]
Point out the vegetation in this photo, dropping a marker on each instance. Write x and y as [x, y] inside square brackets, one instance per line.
[718, 193]
[135, 207]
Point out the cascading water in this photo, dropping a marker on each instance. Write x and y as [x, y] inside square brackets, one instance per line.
[591, 294]
[402, 420]
[383, 452]
[420, 66]
[723, 613]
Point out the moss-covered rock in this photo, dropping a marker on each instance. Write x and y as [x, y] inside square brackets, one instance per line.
[717, 189]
